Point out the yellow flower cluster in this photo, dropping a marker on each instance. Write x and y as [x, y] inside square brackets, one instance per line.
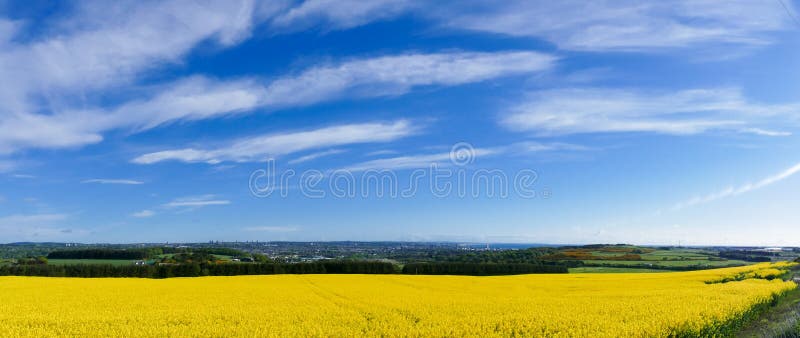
[568, 305]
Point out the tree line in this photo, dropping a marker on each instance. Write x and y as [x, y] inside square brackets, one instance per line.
[749, 256]
[528, 256]
[324, 267]
[196, 270]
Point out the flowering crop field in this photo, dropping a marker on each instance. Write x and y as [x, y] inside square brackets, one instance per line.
[612, 305]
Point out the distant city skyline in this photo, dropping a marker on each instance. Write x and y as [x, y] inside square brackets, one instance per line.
[390, 120]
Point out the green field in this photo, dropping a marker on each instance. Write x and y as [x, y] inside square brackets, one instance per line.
[117, 262]
[171, 255]
[781, 320]
[630, 257]
[597, 269]
[680, 263]
[688, 254]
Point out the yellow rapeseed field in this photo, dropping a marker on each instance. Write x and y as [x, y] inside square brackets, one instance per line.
[586, 305]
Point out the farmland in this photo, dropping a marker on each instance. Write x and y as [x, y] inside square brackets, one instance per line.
[208, 259]
[633, 257]
[669, 264]
[632, 304]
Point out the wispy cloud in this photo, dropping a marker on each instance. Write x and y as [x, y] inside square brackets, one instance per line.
[273, 145]
[381, 152]
[445, 159]
[402, 162]
[272, 229]
[196, 202]
[735, 191]
[197, 97]
[339, 14]
[314, 156]
[626, 25]
[765, 132]
[112, 181]
[183, 204]
[143, 214]
[102, 46]
[23, 176]
[397, 74]
[573, 111]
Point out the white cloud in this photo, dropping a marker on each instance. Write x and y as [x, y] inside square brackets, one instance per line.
[403, 162]
[101, 46]
[397, 74]
[314, 156]
[106, 43]
[196, 202]
[445, 159]
[272, 229]
[603, 25]
[109, 46]
[176, 204]
[735, 191]
[197, 97]
[112, 181]
[274, 145]
[572, 111]
[626, 25]
[184, 204]
[192, 98]
[25, 176]
[533, 147]
[339, 14]
[765, 132]
[381, 152]
[143, 214]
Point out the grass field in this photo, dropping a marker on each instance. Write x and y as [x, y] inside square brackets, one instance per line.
[581, 305]
[671, 263]
[660, 255]
[595, 269]
[89, 261]
[621, 256]
[783, 320]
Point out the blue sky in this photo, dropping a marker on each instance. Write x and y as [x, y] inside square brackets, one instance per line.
[642, 122]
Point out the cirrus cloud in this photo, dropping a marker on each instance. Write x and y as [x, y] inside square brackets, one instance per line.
[273, 145]
[592, 110]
